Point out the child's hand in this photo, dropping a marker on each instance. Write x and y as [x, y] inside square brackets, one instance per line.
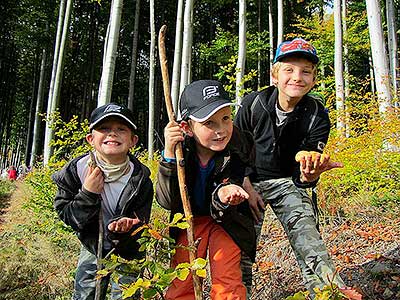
[173, 134]
[232, 194]
[313, 164]
[123, 225]
[94, 180]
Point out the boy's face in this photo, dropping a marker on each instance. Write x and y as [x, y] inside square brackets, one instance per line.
[112, 140]
[294, 79]
[213, 134]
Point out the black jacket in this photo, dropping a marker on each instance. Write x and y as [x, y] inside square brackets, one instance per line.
[80, 208]
[307, 128]
[231, 166]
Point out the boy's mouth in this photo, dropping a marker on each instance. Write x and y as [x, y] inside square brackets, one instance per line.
[112, 143]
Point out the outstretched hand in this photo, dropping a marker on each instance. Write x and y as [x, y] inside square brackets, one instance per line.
[123, 225]
[313, 164]
[232, 194]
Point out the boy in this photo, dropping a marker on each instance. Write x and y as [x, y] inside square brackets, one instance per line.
[284, 119]
[215, 168]
[119, 187]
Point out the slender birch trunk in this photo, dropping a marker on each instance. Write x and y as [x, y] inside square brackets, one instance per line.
[176, 71]
[187, 45]
[280, 21]
[392, 43]
[271, 39]
[346, 68]
[134, 56]
[259, 39]
[110, 53]
[340, 122]
[379, 56]
[39, 110]
[241, 62]
[151, 81]
[55, 92]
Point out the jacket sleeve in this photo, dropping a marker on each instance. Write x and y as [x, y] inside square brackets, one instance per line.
[77, 210]
[167, 187]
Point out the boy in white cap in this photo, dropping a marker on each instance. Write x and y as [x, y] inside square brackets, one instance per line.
[118, 191]
[215, 164]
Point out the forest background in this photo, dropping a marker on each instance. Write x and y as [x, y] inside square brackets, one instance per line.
[361, 200]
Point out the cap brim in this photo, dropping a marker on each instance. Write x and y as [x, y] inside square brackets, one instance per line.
[314, 59]
[207, 111]
[110, 115]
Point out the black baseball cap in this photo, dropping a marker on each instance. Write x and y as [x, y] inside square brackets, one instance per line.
[111, 110]
[201, 99]
[296, 47]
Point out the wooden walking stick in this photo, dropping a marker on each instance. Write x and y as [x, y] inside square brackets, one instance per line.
[180, 162]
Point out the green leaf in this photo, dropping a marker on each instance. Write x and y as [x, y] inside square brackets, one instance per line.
[201, 273]
[182, 266]
[182, 225]
[182, 274]
[177, 217]
[199, 263]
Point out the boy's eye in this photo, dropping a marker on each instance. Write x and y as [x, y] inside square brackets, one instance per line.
[207, 123]
[227, 118]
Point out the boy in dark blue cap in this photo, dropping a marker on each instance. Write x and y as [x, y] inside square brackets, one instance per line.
[215, 164]
[115, 189]
[286, 121]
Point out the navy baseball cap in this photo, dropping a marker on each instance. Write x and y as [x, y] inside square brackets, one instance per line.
[201, 99]
[110, 110]
[296, 47]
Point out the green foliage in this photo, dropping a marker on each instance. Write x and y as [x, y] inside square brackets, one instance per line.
[156, 273]
[229, 72]
[69, 137]
[371, 159]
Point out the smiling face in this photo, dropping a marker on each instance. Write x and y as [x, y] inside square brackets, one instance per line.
[112, 140]
[213, 134]
[294, 77]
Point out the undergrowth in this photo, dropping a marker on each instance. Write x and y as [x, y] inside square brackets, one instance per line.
[38, 253]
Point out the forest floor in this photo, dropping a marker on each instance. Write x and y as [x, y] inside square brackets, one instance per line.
[364, 244]
[365, 248]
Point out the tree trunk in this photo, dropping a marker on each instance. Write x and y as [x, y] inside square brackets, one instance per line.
[39, 109]
[57, 49]
[346, 68]
[187, 45]
[379, 56]
[392, 43]
[340, 122]
[110, 53]
[259, 39]
[150, 145]
[241, 62]
[176, 72]
[134, 56]
[280, 21]
[271, 39]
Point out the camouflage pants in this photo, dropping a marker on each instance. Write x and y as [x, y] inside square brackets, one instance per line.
[85, 282]
[294, 209]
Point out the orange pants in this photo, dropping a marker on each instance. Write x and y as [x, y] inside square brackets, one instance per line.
[224, 258]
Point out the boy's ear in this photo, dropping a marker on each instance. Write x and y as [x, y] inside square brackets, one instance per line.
[134, 140]
[89, 138]
[186, 128]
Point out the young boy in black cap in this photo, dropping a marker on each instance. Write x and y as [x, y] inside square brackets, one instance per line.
[215, 164]
[117, 190]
